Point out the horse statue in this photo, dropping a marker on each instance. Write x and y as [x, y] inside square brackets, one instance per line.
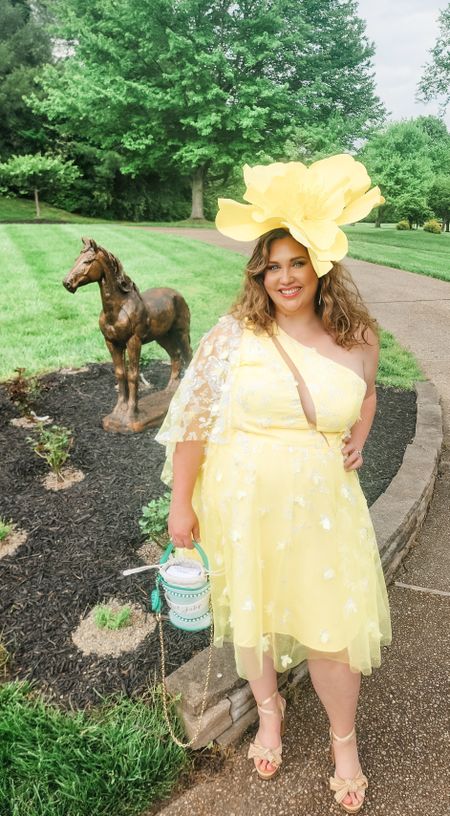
[130, 318]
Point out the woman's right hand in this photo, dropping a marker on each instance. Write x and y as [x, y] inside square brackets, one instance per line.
[183, 525]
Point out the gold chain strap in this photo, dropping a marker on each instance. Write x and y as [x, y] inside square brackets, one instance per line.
[163, 684]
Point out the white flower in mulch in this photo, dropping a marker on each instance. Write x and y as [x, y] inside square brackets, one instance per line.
[91, 639]
[71, 370]
[27, 424]
[151, 552]
[70, 476]
[12, 542]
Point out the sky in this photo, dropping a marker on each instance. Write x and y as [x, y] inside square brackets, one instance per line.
[404, 31]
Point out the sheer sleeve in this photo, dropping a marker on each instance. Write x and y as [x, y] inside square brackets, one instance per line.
[198, 409]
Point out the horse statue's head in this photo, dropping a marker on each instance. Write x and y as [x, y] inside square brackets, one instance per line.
[91, 266]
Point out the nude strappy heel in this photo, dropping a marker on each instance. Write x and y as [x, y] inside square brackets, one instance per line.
[357, 784]
[258, 751]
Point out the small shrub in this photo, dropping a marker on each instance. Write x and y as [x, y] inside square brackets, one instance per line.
[53, 445]
[23, 391]
[403, 225]
[153, 522]
[5, 529]
[105, 618]
[432, 225]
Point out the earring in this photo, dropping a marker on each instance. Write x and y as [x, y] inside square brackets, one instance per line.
[320, 296]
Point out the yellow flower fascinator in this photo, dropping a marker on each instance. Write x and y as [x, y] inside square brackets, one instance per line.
[311, 202]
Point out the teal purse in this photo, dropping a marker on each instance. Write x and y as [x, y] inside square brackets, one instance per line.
[185, 584]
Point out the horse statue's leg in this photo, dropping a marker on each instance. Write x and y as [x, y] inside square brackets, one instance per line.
[185, 346]
[118, 357]
[134, 345]
[170, 342]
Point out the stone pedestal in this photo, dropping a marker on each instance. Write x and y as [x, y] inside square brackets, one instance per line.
[151, 411]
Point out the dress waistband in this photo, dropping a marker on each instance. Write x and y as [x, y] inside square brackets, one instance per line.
[310, 437]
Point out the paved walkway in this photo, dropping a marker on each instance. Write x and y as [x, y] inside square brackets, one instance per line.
[403, 714]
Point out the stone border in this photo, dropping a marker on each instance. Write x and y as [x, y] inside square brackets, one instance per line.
[398, 513]
[397, 516]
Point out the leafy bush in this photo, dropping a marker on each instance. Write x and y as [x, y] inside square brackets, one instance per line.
[23, 391]
[53, 445]
[432, 225]
[105, 618]
[103, 191]
[153, 522]
[403, 225]
[5, 529]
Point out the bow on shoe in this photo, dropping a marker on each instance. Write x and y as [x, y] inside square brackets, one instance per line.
[345, 786]
[273, 755]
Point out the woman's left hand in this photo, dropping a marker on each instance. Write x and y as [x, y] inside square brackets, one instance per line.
[353, 458]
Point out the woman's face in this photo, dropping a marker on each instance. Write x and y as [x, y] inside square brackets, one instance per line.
[290, 279]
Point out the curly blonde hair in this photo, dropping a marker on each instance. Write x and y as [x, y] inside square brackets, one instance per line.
[342, 310]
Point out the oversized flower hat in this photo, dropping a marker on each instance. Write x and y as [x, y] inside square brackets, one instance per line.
[311, 202]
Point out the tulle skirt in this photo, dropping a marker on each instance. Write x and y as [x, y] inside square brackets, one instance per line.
[296, 571]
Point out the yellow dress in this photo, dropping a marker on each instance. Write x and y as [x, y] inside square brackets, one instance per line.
[296, 571]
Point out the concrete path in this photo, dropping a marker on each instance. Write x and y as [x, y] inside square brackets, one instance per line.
[403, 719]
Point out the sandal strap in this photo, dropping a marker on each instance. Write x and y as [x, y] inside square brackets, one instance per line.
[344, 786]
[342, 739]
[267, 700]
[258, 751]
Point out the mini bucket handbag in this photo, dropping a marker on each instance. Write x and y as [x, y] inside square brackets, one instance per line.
[186, 588]
[185, 585]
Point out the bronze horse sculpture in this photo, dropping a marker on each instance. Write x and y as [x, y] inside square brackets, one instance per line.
[128, 320]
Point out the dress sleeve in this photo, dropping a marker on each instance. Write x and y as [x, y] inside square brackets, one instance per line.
[197, 411]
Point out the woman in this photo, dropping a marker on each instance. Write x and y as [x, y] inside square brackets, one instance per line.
[265, 435]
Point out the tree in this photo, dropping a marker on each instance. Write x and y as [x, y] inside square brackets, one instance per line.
[24, 47]
[435, 81]
[310, 143]
[335, 75]
[35, 174]
[187, 86]
[439, 142]
[398, 160]
[439, 200]
[195, 87]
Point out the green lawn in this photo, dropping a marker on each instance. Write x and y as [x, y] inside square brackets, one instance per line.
[43, 327]
[23, 209]
[415, 250]
[114, 759]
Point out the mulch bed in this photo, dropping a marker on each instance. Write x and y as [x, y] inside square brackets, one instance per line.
[80, 539]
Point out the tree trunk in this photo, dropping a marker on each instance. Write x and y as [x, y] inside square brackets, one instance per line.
[36, 202]
[198, 179]
[447, 226]
[378, 218]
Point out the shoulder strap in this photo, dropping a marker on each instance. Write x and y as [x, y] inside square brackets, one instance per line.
[297, 376]
[289, 362]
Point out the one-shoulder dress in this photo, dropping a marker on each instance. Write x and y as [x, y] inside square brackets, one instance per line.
[295, 567]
